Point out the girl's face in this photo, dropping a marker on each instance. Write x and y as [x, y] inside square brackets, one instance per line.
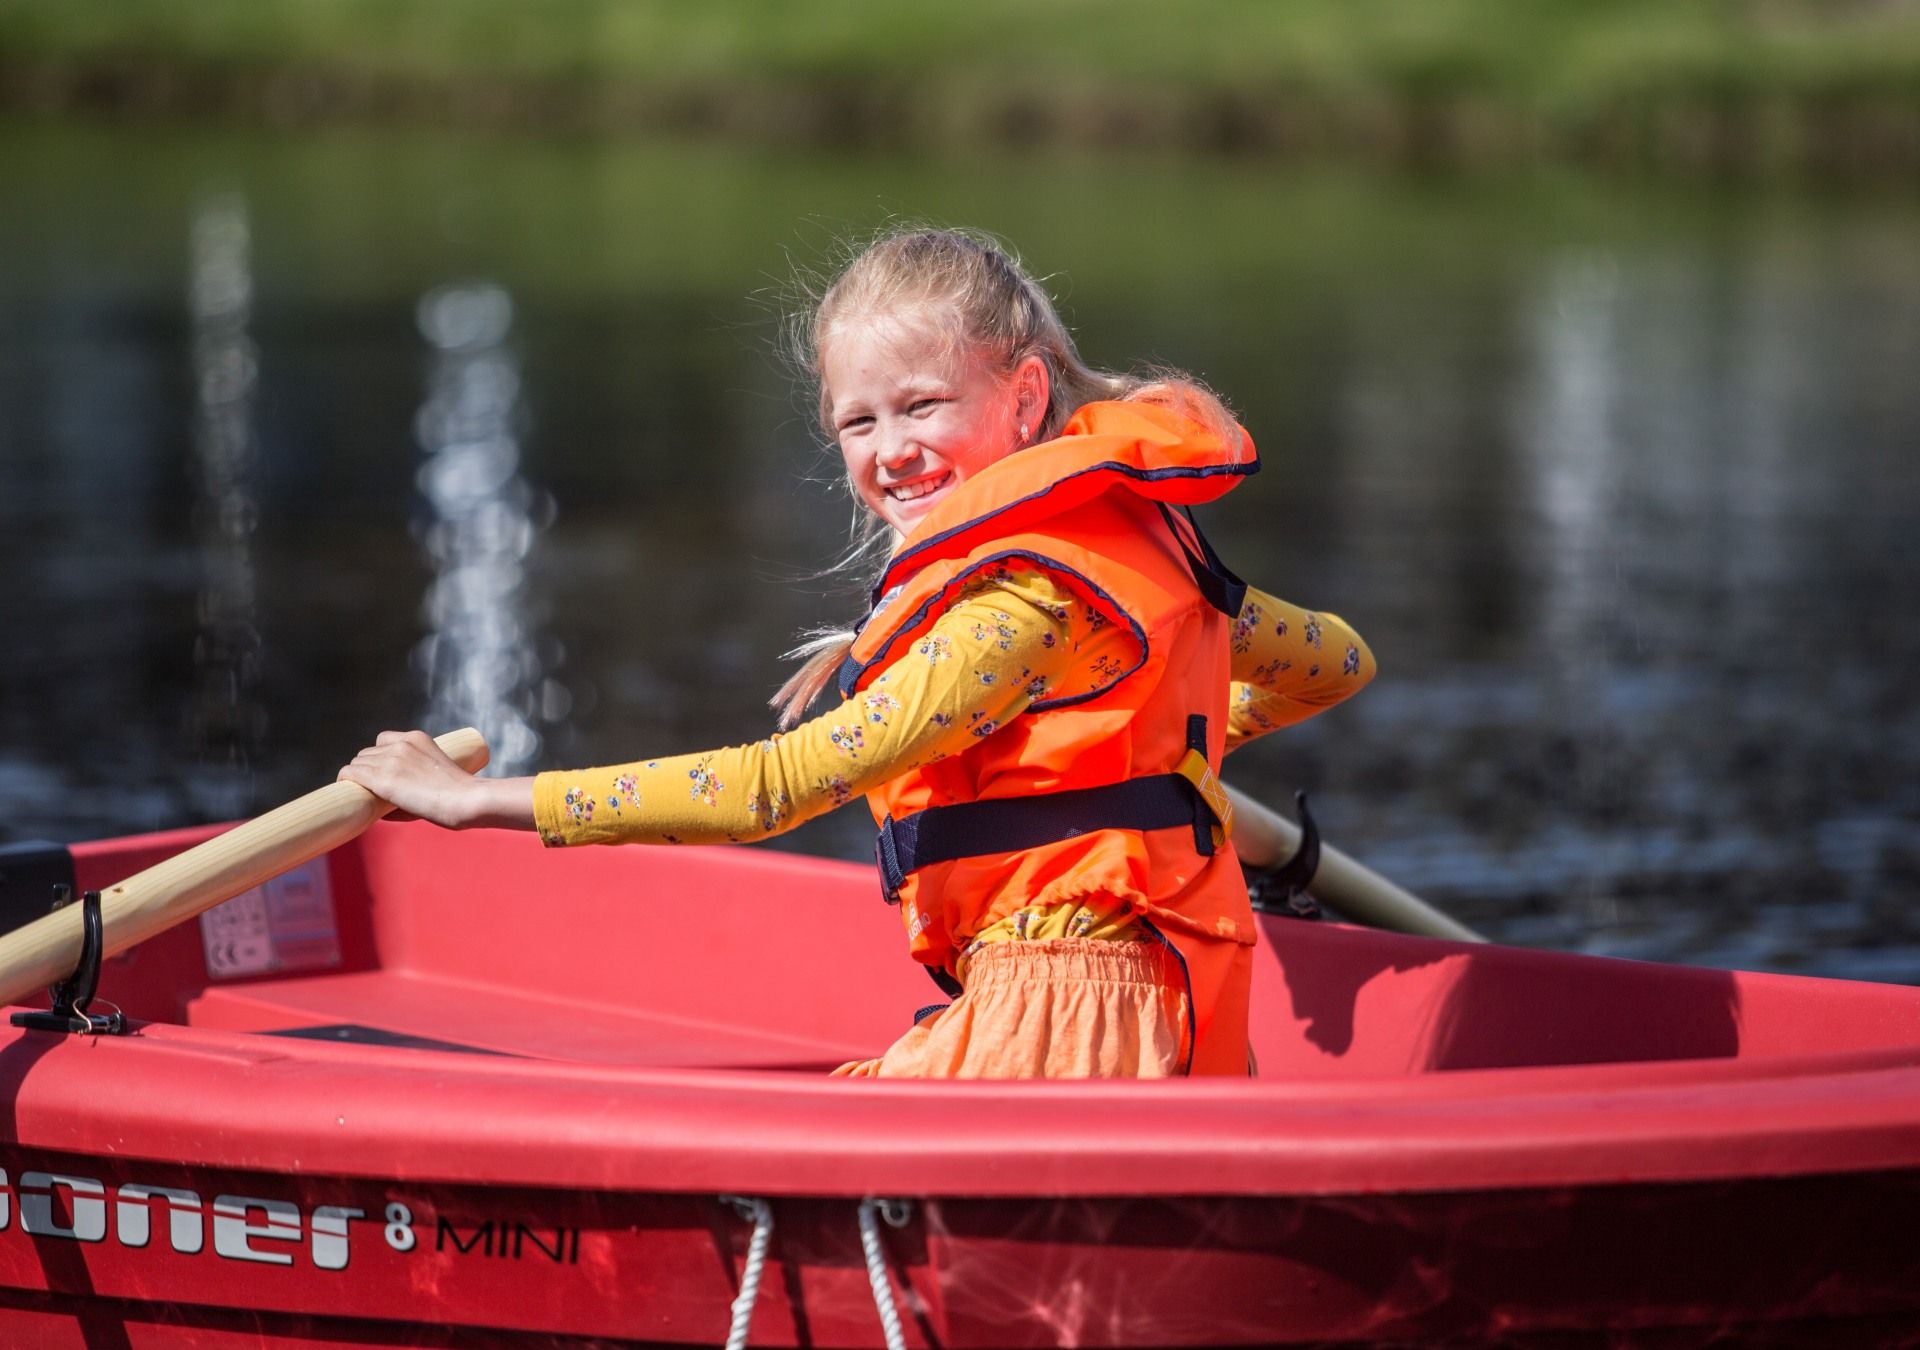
[915, 417]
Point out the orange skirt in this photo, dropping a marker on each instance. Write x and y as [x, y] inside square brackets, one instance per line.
[1068, 1008]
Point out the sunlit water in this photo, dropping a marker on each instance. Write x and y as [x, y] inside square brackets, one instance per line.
[304, 437]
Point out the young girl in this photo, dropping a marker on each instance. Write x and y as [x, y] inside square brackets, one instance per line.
[1035, 706]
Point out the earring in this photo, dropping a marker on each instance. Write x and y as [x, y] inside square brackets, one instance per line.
[1025, 435]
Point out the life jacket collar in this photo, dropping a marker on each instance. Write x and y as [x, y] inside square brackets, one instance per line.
[1155, 451]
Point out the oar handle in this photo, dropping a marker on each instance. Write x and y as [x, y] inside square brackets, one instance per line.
[46, 950]
[1356, 891]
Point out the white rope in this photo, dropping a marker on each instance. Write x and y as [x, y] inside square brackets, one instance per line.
[877, 1268]
[762, 1215]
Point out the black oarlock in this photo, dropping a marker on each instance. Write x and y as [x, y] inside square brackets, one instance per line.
[1282, 888]
[73, 995]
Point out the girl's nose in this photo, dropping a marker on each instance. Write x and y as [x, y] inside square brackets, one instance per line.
[896, 450]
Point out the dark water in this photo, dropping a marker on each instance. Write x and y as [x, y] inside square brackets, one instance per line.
[303, 437]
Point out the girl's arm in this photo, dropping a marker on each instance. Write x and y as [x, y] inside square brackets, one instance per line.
[1288, 664]
[967, 676]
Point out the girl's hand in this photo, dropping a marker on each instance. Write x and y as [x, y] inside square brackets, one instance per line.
[407, 769]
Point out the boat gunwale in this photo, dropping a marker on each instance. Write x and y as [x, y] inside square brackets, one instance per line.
[434, 1117]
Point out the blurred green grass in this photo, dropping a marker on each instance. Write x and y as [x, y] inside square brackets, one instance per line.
[1759, 82]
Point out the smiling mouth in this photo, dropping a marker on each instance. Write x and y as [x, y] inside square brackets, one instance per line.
[907, 492]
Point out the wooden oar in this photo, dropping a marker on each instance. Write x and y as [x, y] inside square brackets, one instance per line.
[46, 950]
[1358, 892]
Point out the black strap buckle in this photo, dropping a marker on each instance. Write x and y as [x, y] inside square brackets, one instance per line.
[886, 856]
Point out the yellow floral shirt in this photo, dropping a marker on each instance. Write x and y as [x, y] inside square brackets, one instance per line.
[977, 668]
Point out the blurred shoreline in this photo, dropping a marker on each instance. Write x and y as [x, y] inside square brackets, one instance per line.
[1757, 89]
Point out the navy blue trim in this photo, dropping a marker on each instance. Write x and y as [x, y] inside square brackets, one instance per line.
[914, 620]
[1217, 582]
[847, 676]
[1145, 475]
[1193, 1026]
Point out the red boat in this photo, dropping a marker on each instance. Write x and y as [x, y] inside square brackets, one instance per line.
[455, 1090]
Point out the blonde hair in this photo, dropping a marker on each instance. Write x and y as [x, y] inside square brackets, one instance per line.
[976, 291]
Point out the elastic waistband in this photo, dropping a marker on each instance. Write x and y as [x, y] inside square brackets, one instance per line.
[1075, 959]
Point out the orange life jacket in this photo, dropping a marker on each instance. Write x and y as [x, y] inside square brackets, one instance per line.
[1100, 747]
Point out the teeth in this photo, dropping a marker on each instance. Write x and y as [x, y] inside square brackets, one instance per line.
[909, 491]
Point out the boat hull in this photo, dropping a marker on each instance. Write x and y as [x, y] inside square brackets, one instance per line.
[398, 1145]
[271, 1258]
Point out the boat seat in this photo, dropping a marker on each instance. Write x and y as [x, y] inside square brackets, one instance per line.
[407, 1009]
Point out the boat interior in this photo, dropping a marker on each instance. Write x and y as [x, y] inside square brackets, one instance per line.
[749, 958]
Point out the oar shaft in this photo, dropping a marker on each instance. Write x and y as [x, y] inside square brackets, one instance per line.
[1353, 889]
[46, 950]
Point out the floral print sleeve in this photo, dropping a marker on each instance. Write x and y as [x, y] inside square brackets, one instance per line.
[976, 669]
[1288, 664]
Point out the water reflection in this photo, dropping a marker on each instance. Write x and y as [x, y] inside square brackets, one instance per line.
[481, 659]
[1688, 743]
[1618, 481]
[228, 716]
[1569, 440]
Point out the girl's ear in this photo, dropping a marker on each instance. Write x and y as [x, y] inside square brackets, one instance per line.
[1031, 389]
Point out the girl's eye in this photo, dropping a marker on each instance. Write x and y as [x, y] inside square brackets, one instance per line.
[855, 424]
[923, 405]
